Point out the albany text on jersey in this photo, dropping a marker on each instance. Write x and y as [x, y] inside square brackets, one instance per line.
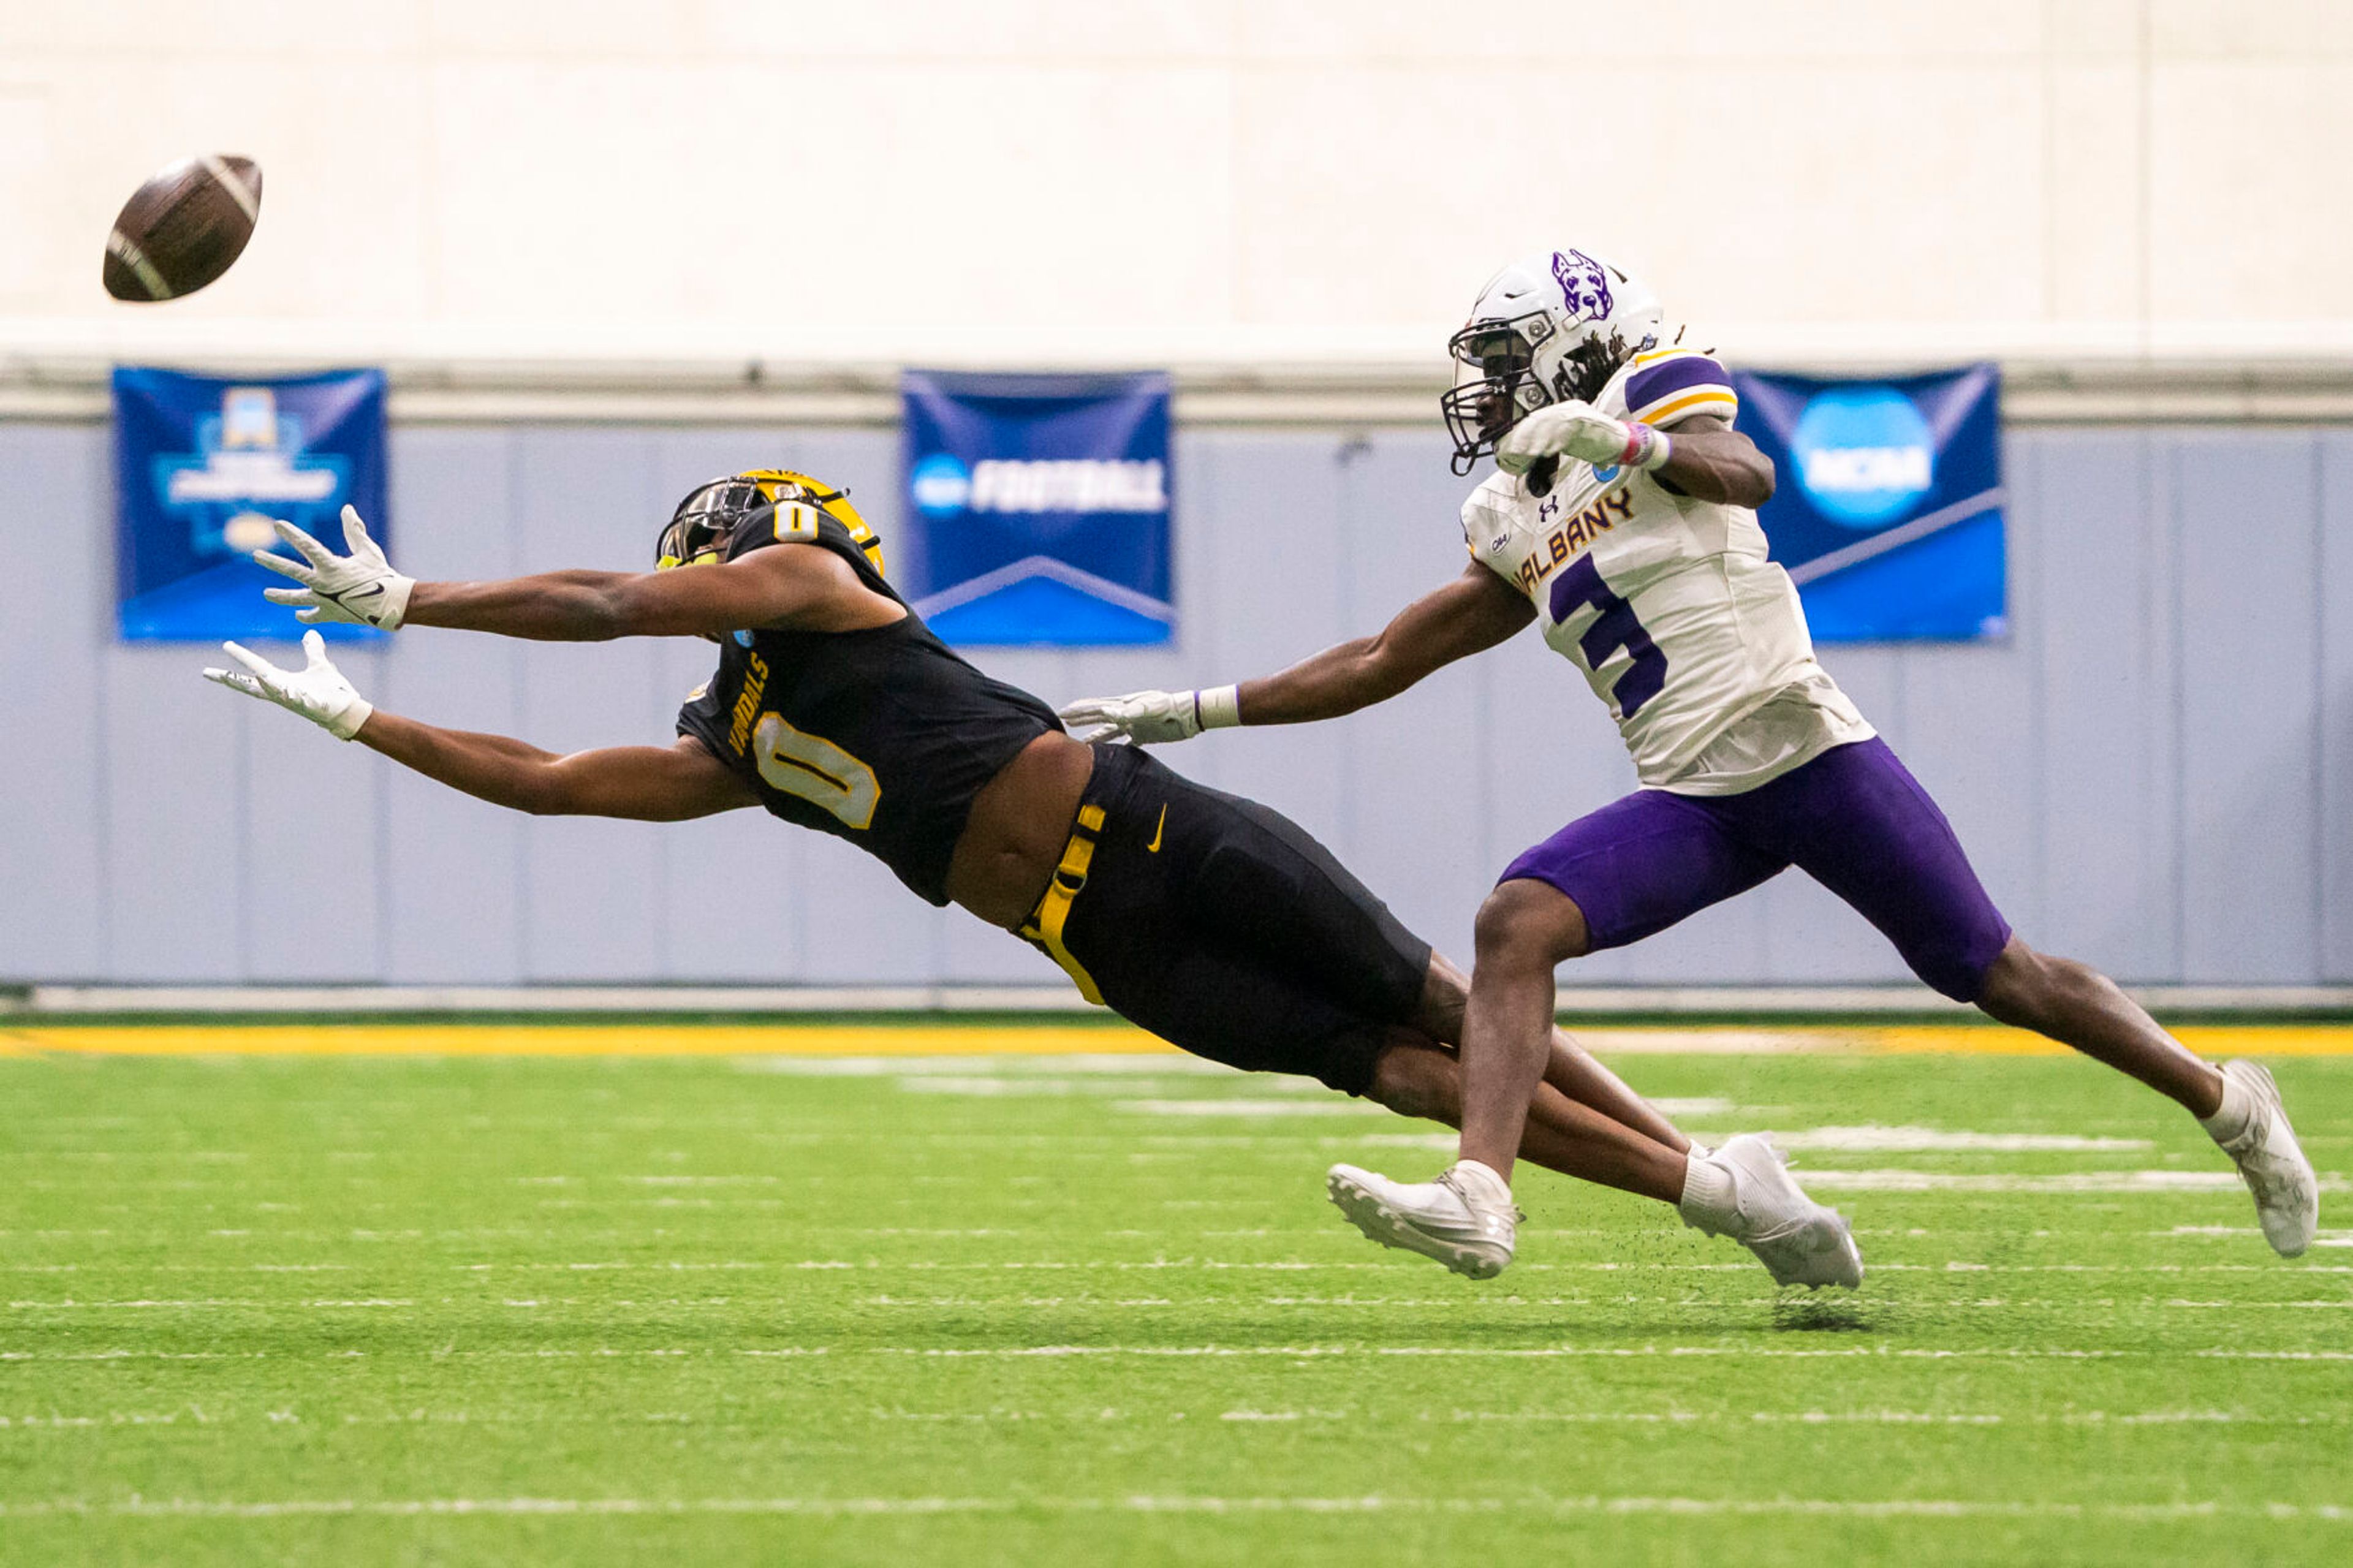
[1667, 604]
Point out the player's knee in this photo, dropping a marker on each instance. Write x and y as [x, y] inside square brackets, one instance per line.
[1416, 1079]
[1971, 971]
[1445, 994]
[2024, 986]
[1528, 925]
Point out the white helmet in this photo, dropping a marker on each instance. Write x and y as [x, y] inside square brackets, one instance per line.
[1552, 327]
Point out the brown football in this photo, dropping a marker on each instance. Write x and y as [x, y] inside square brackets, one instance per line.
[182, 229]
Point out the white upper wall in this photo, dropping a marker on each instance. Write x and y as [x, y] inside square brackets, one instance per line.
[1226, 180]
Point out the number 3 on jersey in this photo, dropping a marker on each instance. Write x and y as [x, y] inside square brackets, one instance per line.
[1579, 587]
[818, 771]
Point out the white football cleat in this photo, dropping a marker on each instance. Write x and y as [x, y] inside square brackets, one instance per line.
[1464, 1219]
[1799, 1241]
[2272, 1164]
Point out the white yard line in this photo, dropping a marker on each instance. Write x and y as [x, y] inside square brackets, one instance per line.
[984, 1086]
[1894, 1180]
[757, 1304]
[1852, 1507]
[1696, 1105]
[1543, 1352]
[1099, 1064]
[1874, 1139]
[138, 1356]
[191, 1415]
[1296, 1353]
[1238, 1106]
[207, 1304]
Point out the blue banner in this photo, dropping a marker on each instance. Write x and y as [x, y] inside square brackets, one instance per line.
[1040, 505]
[1888, 512]
[201, 467]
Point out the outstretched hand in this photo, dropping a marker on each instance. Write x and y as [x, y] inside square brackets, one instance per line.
[318, 691]
[1138, 718]
[361, 587]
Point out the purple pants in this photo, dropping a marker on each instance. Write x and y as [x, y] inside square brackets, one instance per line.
[1853, 819]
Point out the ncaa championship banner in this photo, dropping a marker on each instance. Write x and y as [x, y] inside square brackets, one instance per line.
[1888, 511]
[1042, 506]
[201, 467]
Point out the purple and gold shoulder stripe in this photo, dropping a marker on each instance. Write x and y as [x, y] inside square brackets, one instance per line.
[1669, 384]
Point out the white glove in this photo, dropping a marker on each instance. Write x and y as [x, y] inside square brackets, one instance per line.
[1578, 430]
[361, 587]
[318, 691]
[1144, 717]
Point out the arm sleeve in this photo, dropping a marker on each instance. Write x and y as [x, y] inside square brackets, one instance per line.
[1675, 382]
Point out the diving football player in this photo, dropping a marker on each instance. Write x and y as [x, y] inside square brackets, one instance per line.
[1623, 521]
[1210, 921]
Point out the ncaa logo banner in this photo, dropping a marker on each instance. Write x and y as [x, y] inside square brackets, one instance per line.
[1888, 512]
[201, 467]
[1041, 507]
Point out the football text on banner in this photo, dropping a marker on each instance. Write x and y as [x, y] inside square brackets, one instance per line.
[1040, 506]
[1889, 510]
[202, 465]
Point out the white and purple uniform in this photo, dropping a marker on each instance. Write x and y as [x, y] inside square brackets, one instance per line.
[1751, 758]
[1666, 604]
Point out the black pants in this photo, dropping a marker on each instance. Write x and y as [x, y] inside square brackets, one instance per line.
[1227, 930]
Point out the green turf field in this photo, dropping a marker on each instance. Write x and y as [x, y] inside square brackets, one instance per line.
[1094, 1310]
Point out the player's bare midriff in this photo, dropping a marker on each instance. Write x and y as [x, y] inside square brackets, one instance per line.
[1019, 823]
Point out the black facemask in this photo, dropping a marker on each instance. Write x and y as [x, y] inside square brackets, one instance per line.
[1479, 412]
[1479, 408]
[706, 520]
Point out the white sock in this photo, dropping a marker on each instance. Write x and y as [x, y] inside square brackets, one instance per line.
[1480, 1181]
[2231, 1118]
[1708, 1201]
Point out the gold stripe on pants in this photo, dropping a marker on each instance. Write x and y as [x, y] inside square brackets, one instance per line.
[1053, 911]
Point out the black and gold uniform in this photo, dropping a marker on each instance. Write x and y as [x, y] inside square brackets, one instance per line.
[1215, 923]
[1223, 927]
[882, 737]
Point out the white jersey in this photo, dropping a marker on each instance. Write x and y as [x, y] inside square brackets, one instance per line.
[1682, 626]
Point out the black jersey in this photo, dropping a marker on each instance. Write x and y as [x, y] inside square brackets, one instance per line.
[882, 737]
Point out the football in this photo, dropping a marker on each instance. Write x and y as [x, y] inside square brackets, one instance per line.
[182, 229]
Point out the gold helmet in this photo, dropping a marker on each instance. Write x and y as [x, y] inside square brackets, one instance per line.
[704, 526]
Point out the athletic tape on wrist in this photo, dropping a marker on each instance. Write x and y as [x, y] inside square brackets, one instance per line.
[345, 725]
[1646, 449]
[1219, 707]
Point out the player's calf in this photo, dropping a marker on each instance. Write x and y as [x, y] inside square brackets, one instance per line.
[1415, 1078]
[2238, 1105]
[1524, 929]
[2080, 1008]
